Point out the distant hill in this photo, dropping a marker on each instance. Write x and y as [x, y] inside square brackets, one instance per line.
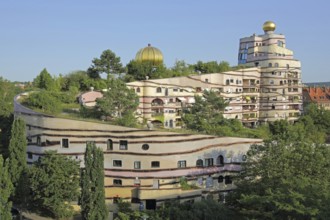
[318, 84]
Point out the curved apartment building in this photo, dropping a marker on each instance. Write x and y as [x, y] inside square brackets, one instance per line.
[141, 166]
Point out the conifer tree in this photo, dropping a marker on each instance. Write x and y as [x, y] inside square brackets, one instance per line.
[17, 151]
[6, 188]
[92, 199]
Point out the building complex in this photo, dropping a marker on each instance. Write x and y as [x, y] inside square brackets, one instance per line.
[267, 87]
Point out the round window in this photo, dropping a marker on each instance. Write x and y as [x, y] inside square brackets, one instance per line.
[145, 146]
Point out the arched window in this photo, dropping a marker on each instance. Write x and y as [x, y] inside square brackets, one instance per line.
[109, 144]
[270, 64]
[159, 90]
[220, 160]
[276, 64]
[138, 89]
[38, 141]
[199, 163]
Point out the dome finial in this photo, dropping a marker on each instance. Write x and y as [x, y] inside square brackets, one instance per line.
[269, 26]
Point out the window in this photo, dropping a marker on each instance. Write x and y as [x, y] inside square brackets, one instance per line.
[271, 82]
[117, 182]
[276, 64]
[206, 80]
[145, 146]
[109, 144]
[30, 155]
[287, 66]
[228, 180]
[220, 160]
[122, 145]
[117, 163]
[155, 164]
[159, 90]
[175, 89]
[231, 80]
[137, 164]
[138, 89]
[209, 162]
[38, 141]
[65, 143]
[270, 64]
[199, 163]
[280, 43]
[227, 82]
[181, 163]
[220, 179]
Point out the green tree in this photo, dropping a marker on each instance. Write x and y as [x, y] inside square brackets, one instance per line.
[45, 81]
[54, 181]
[145, 70]
[211, 67]
[92, 198]
[181, 68]
[7, 93]
[6, 188]
[285, 179]
[17, 157]
[206, 114]
[44, 101]
[108, 63]
[119, 101]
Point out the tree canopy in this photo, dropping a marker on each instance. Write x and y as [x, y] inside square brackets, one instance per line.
[108, 63]
[287, 177]
[54, 181]
[119, 102]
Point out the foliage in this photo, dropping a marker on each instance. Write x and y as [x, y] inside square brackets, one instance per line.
[205, 209]
[7, 94]
[55, 183]
[181, 68]
[44, 101]
[287, 177]
[5, 129]
[206, 114]
[45, 81]
[211, 67]
[92, 198]
[145, 70]
[6, 188]
[81, 81]
[185, 185]
[119, 101]
[319, 115]
[108, 63]
[17, 154]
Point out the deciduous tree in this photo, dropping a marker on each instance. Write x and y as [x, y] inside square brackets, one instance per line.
[119, 101]
[285, 179]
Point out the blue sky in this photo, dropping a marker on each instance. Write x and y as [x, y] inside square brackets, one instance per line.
[64, 36]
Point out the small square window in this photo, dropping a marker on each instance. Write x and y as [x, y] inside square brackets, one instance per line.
[117, 163]
[209, 162]
[137, 164]
[155, 164]
[181, 164]
[117, 182]
[65, 143]
[122, 145]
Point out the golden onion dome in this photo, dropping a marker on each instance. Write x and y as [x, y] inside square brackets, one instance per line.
[149, 54]
[269, 26]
